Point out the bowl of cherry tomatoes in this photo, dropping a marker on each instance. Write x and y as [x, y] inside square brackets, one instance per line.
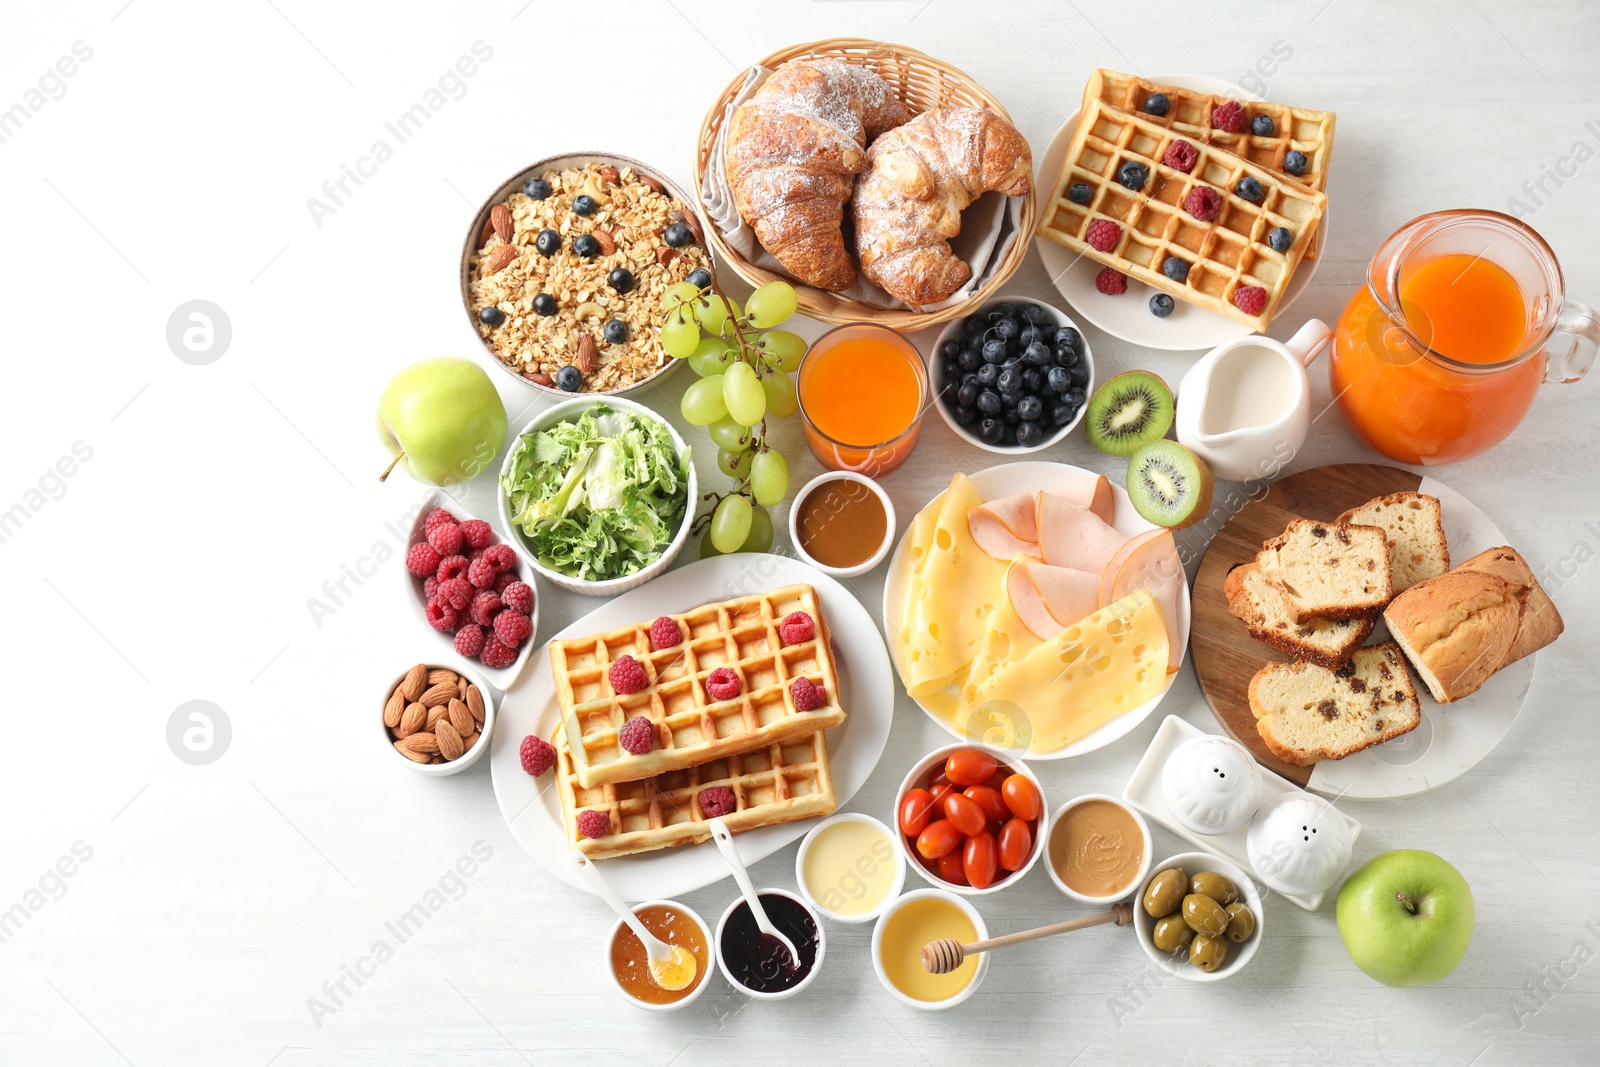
[970, 818]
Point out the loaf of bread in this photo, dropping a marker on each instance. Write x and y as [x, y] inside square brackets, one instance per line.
[1306, 713]
[1329, 570]
[1541, 622]
[1456, 630]
[1261, 606]
[1414, 525]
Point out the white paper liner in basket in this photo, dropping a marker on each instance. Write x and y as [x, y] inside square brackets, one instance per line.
[988, 226]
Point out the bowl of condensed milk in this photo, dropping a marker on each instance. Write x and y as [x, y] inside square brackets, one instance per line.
[1098, 849]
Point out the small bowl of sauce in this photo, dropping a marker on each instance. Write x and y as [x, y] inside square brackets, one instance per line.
[842, 523]
[909, 923]
[675, 924]
[848, 868]
[1099, 849]
[757, 964]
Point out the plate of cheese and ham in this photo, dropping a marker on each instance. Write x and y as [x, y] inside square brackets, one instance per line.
[1031, 607]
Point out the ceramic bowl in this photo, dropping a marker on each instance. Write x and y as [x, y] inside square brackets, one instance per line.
[468, 758]
[811, 895]
[1139, 879]
[1211, 784]
[711, 958]
[877, 950]
[871, 561]
[514, 183]
[944, 390]
[782, 994]
[502, 677]
[919, 776]
[1238, 955]
[566, 412]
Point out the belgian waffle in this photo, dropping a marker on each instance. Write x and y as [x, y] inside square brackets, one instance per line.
[1225, 254]
[771, 784]
[690, 727]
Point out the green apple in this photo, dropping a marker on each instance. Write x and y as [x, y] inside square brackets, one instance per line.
[442, 420]
[1406, 917]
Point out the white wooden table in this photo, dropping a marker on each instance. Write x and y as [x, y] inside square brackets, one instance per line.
[211, 532]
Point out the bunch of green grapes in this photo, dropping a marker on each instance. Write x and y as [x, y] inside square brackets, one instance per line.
[744, 365]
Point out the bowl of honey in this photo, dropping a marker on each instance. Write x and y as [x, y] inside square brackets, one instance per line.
[909, 923]
[842, 523]
[629, 963]
[863, 391]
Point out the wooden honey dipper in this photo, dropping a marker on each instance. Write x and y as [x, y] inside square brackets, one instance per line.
[945, 954]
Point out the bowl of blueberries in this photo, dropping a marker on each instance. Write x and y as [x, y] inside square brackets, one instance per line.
[1013, 377]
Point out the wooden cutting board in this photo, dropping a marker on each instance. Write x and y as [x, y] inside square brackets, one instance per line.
[1225, 656]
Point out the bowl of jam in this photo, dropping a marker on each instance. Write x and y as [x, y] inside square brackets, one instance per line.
[629, 963]
[757, 964]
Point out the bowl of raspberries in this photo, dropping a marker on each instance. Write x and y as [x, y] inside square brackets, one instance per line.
[472, 589]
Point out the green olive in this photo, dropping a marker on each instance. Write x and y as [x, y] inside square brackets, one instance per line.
[1172, 934]
[1208, 953]
[1204, 915]
[1213, 885]
[1165, 892]
[1241, 922]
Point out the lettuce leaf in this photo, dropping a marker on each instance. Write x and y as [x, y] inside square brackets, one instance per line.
[599, 497]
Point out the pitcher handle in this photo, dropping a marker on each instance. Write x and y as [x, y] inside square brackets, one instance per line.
[1582, 325]
[1309, 341]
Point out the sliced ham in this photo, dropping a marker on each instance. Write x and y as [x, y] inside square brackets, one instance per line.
[1093, 493]
[1071, 535]
[1005, 528]
[1149, 561]
[1049, 599]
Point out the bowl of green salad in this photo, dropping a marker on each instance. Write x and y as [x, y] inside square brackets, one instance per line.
[599, 493]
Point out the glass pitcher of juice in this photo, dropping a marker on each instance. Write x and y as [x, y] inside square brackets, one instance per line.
[1439, 356]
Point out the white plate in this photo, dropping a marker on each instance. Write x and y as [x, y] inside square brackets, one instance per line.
[1143, 792]
[1027, 477]
[1128, 316]
[1448, 742]
[505, 677]
[530, 805]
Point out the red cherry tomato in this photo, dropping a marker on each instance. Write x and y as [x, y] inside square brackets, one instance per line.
[997, 779]
[978, 860]
[1016, 842]
[968, 766]
[952, 868]
[939, 839]
[965, 813]
[990, 800]
[938, 793]
[915, 807]
[939, 778]
[1022, 797]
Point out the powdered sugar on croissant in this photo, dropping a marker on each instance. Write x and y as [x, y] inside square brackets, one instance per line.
[918, 180]
[794, 149]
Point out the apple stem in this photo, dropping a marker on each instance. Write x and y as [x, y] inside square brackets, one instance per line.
[1407, 903]
[390, 468]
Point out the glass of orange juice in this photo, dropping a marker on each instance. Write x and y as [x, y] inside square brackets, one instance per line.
[1464, 314]
[863, 390]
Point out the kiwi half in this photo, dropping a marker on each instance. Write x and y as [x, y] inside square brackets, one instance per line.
[1130, 410]
[1168, 484]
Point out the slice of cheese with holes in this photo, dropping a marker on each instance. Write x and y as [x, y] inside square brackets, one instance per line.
[1091, 673]
[956, 590]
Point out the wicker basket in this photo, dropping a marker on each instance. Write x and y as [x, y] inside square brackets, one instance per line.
[922, 83]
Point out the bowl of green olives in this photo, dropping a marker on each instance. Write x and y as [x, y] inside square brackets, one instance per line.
[1198, 916]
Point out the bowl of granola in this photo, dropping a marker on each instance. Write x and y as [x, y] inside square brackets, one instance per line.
[563, 269]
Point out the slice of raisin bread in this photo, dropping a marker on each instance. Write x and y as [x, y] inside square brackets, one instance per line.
[1307, 713]
[1329, 570]
[1261, 606]
[1414, 525]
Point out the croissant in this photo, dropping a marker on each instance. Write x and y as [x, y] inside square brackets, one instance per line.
[918, 179]
[794, 149]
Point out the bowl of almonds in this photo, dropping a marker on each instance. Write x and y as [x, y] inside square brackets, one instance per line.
[437, 720]
[564, 266]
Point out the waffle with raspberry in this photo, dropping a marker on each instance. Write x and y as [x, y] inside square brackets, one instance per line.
[668, 686]
[1233, 268]
[769, 784]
